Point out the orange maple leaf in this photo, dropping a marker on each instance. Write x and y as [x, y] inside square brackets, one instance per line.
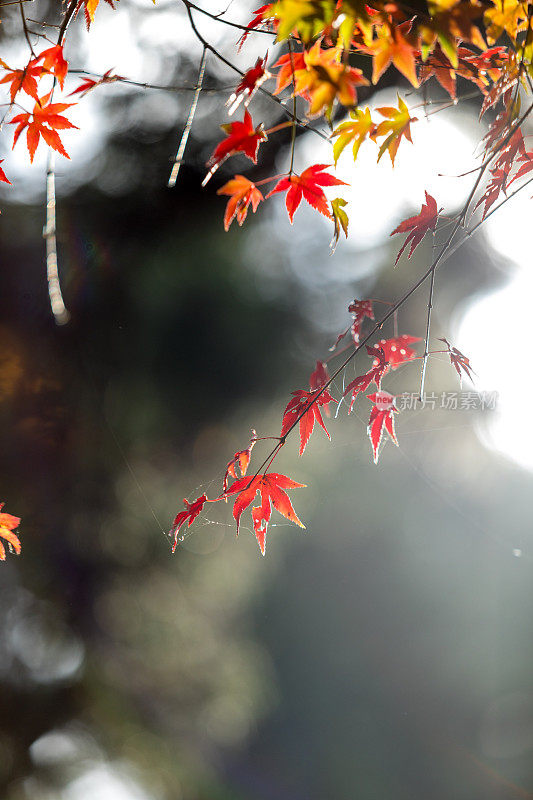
[392, 46]
[45, 120]
[22, 79]
[288, 63]
[8, 523]
[243, 193]
[54, 62]
[325, 79]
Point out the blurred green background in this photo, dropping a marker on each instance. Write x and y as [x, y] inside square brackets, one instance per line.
[383, 654]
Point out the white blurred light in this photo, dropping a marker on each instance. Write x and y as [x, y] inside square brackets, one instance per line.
[104, 783]
[495, 333]
[378, 194]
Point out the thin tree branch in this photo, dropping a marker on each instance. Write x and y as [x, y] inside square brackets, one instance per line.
[59, 310]
[293, 130]
[426, 338]
[25, 28]
[218, 18]
[69, 13]
[446, 251]
[188, 125]
[161, 87]
[459, 223]
[57, 304]
[264, 91]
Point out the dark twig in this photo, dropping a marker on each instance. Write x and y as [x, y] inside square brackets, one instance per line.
[25, 28]
[302, 124]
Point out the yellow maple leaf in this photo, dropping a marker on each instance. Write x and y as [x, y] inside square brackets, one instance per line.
[308, 17]
[506, 15]
[353, 130]
[91, 6]
[340, 221]
[353, 15]
[396, 125]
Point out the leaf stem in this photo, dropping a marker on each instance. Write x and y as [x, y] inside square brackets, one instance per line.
[293, 131]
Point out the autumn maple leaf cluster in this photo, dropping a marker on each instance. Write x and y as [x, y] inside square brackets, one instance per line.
[304, 412]
[453, 39]
[323, 58]
[487, 44]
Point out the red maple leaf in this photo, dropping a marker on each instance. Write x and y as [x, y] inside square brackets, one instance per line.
[418, 225]
[307, 185]
[319, 376]
[243, 193]
[375, 374]
[494, 187]
[8, 523]
[191, 512]
[527, 165]
[271, 487]
[397, 350]
[470, 66]
[251, 81]
[240, 460]
[381, 418]
[512, 149]
[3, 176]
[359, 310]
[507, 155]
[459, 361]
[260, 15]
[242, 137]
[54, 62]
[89, 83]
[22, 79]
[305, 406]
[45, 120]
